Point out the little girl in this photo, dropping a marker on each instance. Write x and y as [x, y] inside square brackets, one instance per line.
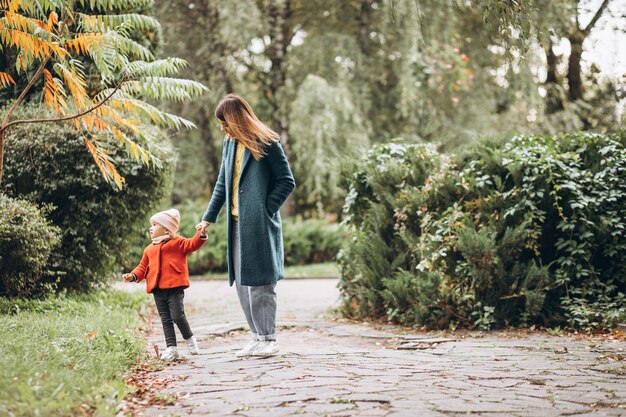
[164, 267]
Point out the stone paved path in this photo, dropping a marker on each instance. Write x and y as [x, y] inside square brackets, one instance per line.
[339, 369]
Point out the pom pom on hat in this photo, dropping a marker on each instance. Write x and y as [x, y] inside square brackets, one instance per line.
[169, 219]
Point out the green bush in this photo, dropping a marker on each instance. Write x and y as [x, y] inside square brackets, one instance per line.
[49, 164]
[310, 241]
[528, 232]
[374, 256]
[26, 240]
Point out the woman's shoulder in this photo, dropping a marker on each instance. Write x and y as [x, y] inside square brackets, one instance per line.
[274, 152]
[272, 146]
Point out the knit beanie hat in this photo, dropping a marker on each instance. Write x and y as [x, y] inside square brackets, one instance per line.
[169, 219]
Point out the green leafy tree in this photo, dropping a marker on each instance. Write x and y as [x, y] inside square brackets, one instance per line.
[431, 71]
[223, 31]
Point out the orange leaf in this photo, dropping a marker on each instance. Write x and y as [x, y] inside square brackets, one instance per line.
[53, 20]
[5, 80]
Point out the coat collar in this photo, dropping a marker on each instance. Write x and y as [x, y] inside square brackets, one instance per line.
[246, 158]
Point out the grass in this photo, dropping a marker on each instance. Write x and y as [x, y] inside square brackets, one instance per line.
[321, 270]
[66, 355]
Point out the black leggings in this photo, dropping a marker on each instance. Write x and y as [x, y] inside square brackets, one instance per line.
[169, 303]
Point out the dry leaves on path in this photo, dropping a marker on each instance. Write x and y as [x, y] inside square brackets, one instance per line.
[147, 385]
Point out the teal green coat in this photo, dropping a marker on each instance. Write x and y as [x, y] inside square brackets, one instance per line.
[264, 186]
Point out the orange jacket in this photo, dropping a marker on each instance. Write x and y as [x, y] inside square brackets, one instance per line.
[164, 265]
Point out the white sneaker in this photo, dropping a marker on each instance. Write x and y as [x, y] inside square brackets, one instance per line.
[192, 344]
[248, 349]
[170, 354]
[266, 349]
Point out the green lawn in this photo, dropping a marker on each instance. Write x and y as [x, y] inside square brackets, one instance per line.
[66, 355]
[321, 270]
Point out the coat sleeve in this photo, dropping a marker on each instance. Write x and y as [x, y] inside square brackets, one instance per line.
[192, 244]
[219, 193]
[140, 270]
[281, 173]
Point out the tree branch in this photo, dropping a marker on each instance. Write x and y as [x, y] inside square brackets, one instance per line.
[61, 119]
[23, 94]
[597, 16]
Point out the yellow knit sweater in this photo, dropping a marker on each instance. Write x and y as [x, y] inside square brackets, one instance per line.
[234, 205]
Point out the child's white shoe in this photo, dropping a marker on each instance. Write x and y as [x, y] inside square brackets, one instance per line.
[266, 348]
[192, 344]
[248, 349]
[170, 354]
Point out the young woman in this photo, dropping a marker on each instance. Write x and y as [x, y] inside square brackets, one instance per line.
[254, 182]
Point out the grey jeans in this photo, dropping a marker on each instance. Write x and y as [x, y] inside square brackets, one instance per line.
[258, 303]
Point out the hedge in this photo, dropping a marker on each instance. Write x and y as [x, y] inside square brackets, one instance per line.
[531, 231]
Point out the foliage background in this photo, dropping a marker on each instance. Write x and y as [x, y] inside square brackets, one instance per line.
[528, 232]
[98, 224]
[333, 78]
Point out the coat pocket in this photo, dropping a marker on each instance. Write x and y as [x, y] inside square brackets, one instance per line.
[175, 267]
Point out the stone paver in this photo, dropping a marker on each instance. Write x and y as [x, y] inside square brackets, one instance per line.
[338, 369]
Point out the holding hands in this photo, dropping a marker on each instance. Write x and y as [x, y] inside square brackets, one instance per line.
[202, 226]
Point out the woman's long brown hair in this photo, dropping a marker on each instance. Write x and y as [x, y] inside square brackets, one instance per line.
[244, 125]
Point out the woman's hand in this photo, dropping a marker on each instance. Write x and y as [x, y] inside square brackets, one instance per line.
[128, 277]
[202, 226]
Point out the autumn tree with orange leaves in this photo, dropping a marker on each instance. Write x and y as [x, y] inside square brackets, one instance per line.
[54, 40]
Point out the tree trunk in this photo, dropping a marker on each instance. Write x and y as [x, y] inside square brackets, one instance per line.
[210, 148]
[552, 61]
[554, 98]
[276, 51]
[576, 40]
[574, 77]
[1, 154]
[280, 33]
[363, 22]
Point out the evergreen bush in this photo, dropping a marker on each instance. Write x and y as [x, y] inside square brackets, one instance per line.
[527, 232]
[26, 240]
[310, 241]
[48, 164]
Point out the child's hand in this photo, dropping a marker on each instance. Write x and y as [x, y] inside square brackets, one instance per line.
[128, 277]
[202, 226]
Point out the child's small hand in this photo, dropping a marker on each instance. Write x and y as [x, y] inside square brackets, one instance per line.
[202, 226]
[128, 277]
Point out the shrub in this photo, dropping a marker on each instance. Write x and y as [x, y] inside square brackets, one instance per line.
[530, 232]
[310, 241]
[373, 254]
[49, 164]
[26, 240]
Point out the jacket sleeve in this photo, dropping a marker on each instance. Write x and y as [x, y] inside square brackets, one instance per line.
[219, 193]
[140, 270]
[284, 181]
[192, 244]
